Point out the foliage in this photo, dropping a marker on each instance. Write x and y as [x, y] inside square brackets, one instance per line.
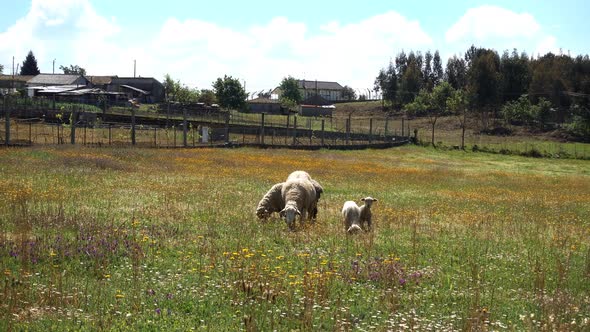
[230, 93]
[290, 90]
[1, 68]
[456, 72]
[348, 93]
[208, 97]
[523, 112]
[386, 82]
[177, 92]
[73, 70]
[29, 66]
[516, 75]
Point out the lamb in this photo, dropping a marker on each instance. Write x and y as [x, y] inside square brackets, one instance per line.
[271, 202]
[299, 196]
[318, 188]
[366, 211]
[352, 214]
[355, 217]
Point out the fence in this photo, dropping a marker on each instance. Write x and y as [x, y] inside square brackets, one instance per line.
[45, 121]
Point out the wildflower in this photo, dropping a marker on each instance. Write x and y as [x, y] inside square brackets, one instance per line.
[158, 311]
[402, 281]
[107, 276]
[119, 296]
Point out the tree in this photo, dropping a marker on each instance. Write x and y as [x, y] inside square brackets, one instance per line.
[1, 68]
[170, 87]
[348, 93]
[457, 104]
[456, 72]
[208, 97]
[516, 75]
[410, 82]
[438, 99]
[230, 93]
[427, 72]
[73, 70]
[290, 90]
[484, 80]
[29, 66]
[437, 69]
[386, 82]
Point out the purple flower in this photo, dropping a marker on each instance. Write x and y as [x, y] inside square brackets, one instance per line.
[402, 281]
[158, 311]
[169, 296]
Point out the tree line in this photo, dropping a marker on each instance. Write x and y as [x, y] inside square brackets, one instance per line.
[509, 88]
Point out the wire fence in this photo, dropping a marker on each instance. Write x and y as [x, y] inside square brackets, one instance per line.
[46, 122]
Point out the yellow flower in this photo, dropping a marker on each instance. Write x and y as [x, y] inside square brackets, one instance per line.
[107, 276]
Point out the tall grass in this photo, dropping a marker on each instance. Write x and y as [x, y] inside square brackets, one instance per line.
[140, 239]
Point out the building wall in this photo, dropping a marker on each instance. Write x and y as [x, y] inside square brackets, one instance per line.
[331, 95]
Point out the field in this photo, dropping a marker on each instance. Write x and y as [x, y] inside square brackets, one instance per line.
[154, 239]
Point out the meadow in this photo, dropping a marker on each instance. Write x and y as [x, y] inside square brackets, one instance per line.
[167, 239]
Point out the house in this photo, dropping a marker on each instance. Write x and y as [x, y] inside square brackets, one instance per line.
[331, 91]
[145, 89]
[265, 105]
[9, 83]
[57, 80]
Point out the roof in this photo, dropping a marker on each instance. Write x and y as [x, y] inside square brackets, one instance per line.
[263, 101]
[135, 89]
[316, 100]
[16, 78]
[54, 79]
[101, 79]
[319, 85]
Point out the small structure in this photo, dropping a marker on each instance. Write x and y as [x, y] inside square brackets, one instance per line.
[331, 91]
[145, 89]
[316, 106]
[101, 82]
[10, 84]
[265, 105]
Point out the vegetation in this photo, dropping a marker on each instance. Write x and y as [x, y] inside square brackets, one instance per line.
[73, 70]
[490, 83]
[144, 239]
[177, 92]
[230, 93]
[29, 66]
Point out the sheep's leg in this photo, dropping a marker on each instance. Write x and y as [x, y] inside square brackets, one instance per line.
[302, 217]
[369, 227]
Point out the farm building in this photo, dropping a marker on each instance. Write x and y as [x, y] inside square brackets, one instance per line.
[144, 89]
[331, 91]
[9, 83]
[101, 82]
[265, 105]
[316, 106]
[57, 80]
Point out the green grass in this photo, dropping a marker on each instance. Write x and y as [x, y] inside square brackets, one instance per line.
[147, 239]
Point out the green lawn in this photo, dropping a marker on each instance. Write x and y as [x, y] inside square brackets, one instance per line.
[154, 239]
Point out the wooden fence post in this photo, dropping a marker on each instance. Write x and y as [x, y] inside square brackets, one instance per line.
[294, 130]
[370, 130]
[184, 129]
[110, 134]
[403, 127]
[262, 129]
[287, 133]
[227, 118]
[156, 136]
[132, 125]
[348, 131]
[73, 118]
[7, 123]
[386, 123]
[323, 132]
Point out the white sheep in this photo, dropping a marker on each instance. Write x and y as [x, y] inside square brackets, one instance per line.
[352, 214]
[366, 212]
[303, 175]
[271, 202]
[299, 196]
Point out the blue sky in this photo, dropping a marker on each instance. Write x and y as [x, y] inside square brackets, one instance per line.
[261, 42]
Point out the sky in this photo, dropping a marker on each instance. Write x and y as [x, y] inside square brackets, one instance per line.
[261, 42]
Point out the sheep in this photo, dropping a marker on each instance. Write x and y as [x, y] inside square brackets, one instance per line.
[299, 196]
[366, 211]
[271, 202]
[352, 214]
[318, 188]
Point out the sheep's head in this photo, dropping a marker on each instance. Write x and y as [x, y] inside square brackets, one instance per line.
[368, 200]
[290, 213]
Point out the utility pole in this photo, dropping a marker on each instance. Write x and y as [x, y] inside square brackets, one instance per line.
[54, 66]
[134, 67]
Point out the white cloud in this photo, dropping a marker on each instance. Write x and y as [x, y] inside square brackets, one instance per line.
[500, 29]
[197, 51]
[488, 22]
